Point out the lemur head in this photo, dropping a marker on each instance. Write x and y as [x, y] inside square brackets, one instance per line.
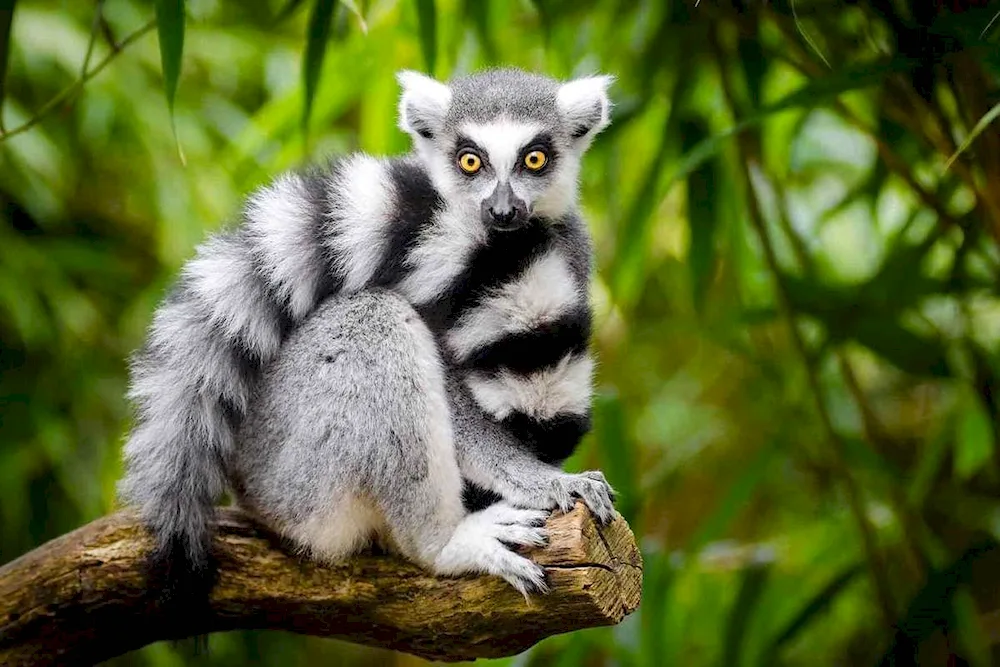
[504, 142]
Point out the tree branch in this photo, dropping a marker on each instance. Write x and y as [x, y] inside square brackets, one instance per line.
[82, 598]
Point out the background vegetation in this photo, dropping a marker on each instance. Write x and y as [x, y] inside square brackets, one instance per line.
[798, 319]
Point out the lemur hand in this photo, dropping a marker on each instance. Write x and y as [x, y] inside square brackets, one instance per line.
[561, 490]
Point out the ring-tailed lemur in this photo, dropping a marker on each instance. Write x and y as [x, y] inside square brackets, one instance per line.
[379, 338]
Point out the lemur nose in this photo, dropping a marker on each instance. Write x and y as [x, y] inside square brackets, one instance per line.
[503, 217]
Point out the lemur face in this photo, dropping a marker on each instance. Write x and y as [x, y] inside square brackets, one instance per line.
[505, 144]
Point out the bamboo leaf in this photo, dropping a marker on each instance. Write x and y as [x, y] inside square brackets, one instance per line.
[751, 587]
[617, 453]
[317, 38]
[810, 612]
[170, 28]
[6, 20]
[427, 21]
[979, 128]
[703, 201]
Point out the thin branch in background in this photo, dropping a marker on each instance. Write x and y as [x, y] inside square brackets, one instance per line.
[76, 87]
[876, 562]
[95, 27]
[751, 162]
[875, 433]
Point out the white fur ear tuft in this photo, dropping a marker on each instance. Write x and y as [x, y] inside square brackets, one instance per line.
[585, 105]
[423, 103]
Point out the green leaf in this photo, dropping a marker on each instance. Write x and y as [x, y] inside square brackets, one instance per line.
[974, 436]
[170, 27]
[816, 605]
[317, 38]
[6, 19]
[427, 21]
[703, 200]
[979, 128]
[754, 580]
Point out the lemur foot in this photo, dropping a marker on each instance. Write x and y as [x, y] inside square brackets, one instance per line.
[480, 544]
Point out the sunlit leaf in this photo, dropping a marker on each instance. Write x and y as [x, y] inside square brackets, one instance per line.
[427, 22]
[318, 35]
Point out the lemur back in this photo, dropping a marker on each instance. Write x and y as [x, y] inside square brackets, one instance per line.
[471, 255]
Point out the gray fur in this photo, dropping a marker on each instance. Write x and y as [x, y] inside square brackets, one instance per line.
[303, 359]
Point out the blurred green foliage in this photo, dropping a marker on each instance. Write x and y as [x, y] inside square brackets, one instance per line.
[797, 222]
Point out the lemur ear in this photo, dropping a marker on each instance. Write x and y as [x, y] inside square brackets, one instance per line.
[423, 103]
[585, 105]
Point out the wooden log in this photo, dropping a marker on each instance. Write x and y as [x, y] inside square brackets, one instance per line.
[81, 598]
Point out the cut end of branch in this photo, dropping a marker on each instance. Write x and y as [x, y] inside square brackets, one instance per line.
[82, 596]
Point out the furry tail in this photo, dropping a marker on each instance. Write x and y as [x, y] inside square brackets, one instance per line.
[190, 387]
[226, 318]
[175, 480]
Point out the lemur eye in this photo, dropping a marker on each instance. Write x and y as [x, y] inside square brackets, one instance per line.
[535, 160]
[469, 162]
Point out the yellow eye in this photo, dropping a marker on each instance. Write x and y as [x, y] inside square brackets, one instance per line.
[535, 160]
[469, 162]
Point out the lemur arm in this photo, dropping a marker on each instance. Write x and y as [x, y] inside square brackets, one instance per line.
[492, 456]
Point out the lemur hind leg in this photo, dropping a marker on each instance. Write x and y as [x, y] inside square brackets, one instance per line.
[349, 436]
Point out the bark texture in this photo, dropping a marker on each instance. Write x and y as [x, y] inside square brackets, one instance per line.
[81, 598]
